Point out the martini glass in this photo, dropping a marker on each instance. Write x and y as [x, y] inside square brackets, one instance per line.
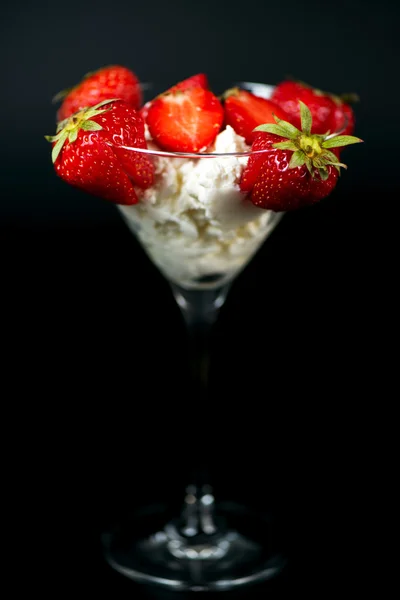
[200, 232]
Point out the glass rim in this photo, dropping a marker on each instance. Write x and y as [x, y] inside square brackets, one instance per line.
[198, 155]
[168, 154]
[249, 85]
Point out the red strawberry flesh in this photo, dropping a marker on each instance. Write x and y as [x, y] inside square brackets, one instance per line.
[199, 80]
[185, 120]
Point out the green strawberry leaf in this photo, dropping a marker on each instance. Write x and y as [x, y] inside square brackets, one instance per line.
[73, 135]
[285, 146]
[340, 140]
[229, 92]
[332, 159]
[61, 95]
[306, 118]
[309, 165]
[291, 131]
[298, 159]
[319, 137]
[61, 124]
[53, 138]
[272, 128]
[103, 102]
[57, 147]
[349, 98]
[91, 126]
[89, 113]
[330, 156]
[323, 173]
[337, 165]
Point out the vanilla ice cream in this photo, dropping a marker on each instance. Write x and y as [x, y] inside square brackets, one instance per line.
[194, 222]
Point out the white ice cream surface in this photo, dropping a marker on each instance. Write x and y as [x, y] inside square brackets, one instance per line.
[194, 222]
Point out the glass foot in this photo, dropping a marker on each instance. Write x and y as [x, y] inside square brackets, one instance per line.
[198, 552]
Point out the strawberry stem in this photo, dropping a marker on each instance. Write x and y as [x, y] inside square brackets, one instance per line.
[309, 149]
[235, 91]
[68, 129]
[61, 95]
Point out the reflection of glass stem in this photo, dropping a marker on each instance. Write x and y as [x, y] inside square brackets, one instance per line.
[195, 536]
[199, 511]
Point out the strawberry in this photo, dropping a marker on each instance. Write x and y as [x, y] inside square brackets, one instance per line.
[88, 153]
[199, 80]
[185, 120]
[244, 111]
[288, 93]
[109, 82]
[329, 112]
[300, 170]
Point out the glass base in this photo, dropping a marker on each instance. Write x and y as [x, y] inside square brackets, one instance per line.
[236, 548]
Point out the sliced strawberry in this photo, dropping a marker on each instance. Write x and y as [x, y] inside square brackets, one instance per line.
[244, 111]
[199, 80]
[185, 120]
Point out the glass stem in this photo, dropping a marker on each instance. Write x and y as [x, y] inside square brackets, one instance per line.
[200, 309]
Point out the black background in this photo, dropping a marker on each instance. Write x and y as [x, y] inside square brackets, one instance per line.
[96, 401]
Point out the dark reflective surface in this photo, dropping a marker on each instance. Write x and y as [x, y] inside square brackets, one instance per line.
[104, 421]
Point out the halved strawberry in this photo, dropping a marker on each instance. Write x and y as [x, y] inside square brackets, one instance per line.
[185, 120]
[199, 80]
[89, 151]
[244, 111]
